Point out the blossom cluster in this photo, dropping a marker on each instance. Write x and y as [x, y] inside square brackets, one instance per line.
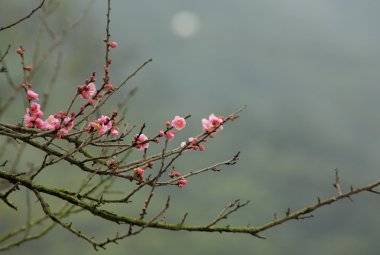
[62, 123]
[103, 125]
[33, 117]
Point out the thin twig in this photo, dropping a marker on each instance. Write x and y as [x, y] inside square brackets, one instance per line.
[24, 18]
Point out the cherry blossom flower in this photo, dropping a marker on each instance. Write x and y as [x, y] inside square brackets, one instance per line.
[32, 95]
[138, 172]
[34, 110]
[216, 121]
[213, 123]
[102, 125]
[87, 90]
[178, 122]
[39, 123]
[52, 123]
[33, 122]
[28, 121]
[66, 125]
[114, 131]
[140, 142]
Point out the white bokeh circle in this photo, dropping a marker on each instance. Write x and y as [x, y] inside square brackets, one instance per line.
[185, 24]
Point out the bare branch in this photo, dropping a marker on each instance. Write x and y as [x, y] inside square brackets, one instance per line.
[24, 18]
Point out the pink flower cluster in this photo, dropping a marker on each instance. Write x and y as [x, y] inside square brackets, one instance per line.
[141, 142]
[181, 182]
[86, 91]
[213, 123]
[178, 123]
[103, 125]
[32, 118]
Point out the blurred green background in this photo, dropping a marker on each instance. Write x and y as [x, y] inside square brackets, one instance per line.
[308, 72]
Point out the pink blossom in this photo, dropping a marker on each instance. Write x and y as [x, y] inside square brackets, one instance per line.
[170, 135]
[103, 129]
[181, 182]
[28, 120]
[39, 123]
[87, 90]
[102, 125]
[33, 122]
[66, 125]
[34, 110]
[52, 123]
[32, 95]
[138, 172]
[207, 125]
[213, 123]
[114, 131]
[161, 133]
[178, 122]
[216, 121]
[140, 142]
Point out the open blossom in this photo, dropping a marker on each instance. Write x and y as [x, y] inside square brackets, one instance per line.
[33, 122]
[29, 121]
[66, 125]
[102, 125]
[140, 142]
[32, 95]
[213, 123]
[52, 123]
[138, 172]
[87, 90]
[34, 110]
[178, 122]
[181, 182]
